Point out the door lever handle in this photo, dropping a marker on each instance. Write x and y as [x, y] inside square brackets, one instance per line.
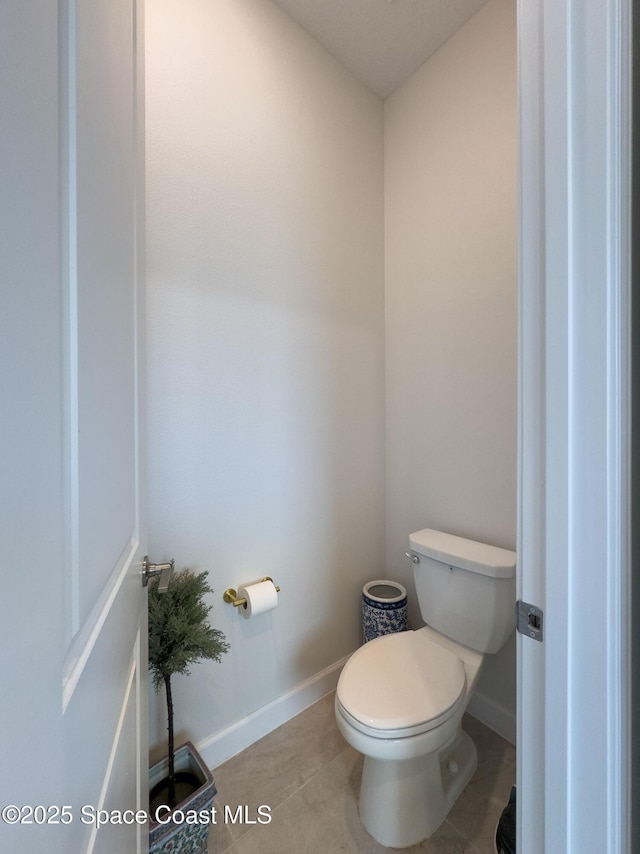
[164, 570]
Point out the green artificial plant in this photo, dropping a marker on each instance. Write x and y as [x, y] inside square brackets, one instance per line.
[179, 636]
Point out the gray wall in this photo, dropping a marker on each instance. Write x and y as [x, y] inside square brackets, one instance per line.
[450, 302]
[265, 329]
[281, 194]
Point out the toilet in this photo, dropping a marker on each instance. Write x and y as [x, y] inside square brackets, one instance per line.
[401, 697]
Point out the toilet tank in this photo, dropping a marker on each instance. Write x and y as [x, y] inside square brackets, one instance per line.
[466, 590]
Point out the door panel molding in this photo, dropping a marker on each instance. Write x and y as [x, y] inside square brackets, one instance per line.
[123, 728]
[85, 639]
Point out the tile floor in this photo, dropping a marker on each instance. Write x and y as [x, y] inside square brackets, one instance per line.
[309, 777]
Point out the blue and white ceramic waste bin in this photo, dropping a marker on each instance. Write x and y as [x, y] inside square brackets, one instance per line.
[384, 609]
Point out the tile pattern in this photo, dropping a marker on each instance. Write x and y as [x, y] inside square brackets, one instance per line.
[309, 777]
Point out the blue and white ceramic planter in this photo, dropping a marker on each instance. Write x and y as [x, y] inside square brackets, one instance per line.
[169, 836]
[384, 609]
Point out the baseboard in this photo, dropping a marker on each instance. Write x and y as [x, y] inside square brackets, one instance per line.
[495, 716]
[227, 742]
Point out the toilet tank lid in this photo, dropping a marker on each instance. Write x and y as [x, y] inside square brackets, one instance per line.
[466, 554]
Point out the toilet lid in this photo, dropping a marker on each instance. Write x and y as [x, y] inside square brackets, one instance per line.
[404, 681]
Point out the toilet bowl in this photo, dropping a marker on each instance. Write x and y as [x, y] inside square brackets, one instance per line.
[401, 697]
[400, 701]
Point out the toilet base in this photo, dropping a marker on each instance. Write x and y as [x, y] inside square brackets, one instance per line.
[404, 801]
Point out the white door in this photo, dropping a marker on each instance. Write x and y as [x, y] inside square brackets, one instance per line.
[573, 537]
[73, 618]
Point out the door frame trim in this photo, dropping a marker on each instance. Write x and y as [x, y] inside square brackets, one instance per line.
[574, 424]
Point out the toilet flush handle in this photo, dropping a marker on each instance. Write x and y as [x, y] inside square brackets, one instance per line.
[413, 558]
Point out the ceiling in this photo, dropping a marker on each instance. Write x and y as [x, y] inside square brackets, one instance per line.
[382, 42]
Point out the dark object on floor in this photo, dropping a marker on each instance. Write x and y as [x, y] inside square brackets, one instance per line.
[506, 832]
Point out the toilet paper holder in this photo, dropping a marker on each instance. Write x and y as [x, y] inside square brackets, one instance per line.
[230, 595]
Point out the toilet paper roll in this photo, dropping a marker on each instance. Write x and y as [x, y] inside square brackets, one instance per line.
[261, 597]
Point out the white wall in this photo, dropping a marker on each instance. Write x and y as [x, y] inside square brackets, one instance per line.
[265, 328]
[266, 260]
[451, 274]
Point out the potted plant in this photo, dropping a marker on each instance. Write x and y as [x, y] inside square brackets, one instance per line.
[179, 636]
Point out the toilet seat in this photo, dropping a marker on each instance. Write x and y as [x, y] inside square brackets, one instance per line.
[401, 685]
